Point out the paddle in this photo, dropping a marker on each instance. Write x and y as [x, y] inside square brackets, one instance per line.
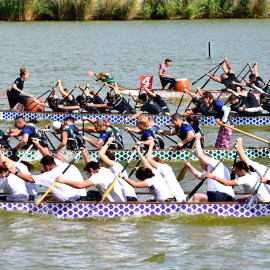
[54, 183]
[127, 107]
[25, 153]
[232, 175]
[55, 136]
[180, 101]
[50, 94]
[138, 96]
[202, 181]
[83, 131]
[208, 72]
[257, 189]
[116, 180]
[182, 173]
[242, 70]
[247, 73]
[137, 164]
[247, 134]
[49, 141]
[168, 137]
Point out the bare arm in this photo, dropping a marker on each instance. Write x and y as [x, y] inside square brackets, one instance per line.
[170, 132]
[135, 130]
[240, 150]
[68, 107]
[78, 185]
[25, 177]
[199, 150]
[250, 68]
[106, 161]
[226, 63]
[14, 86]
[14, 132]
[42, 150]
[213, 77]
[143, 159]
[148, 91]
[42, 104]
[23, 141]
[149, 156]
[97, 144]
[135, 99]
[138, 114]
[141, 184]
[199, 175]
[63, 143]
[224, 182]
[86, 159]
[190, 136]
[200, 91]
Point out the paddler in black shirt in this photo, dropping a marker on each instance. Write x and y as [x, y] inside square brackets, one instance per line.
[149, 106]
[228, 78]
[200, 107]
[16, 93]
[116, 102]
[243, 100]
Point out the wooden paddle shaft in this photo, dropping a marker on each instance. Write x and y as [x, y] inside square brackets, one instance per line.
[245, 133]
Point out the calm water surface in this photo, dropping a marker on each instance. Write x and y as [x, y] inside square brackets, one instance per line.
[66, 51]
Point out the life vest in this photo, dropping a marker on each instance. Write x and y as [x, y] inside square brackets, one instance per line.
[35, 134]
[4, 143]
[74, 140]
[114, 132]
[153, 134]
[182, 135]
[160, 138]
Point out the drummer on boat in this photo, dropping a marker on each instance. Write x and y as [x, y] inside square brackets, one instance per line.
[164, 77]
[16, 93]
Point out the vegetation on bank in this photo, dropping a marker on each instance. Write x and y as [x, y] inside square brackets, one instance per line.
[131, 9]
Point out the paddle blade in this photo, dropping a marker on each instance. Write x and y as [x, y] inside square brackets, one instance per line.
[42, 198]
[90, 73]
[182, 174]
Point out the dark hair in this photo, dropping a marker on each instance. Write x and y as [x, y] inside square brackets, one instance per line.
[94, 93]
[193, 119]
[110, 155]
[69, 118]
[176, 116]
[110, 96]
[80, 98]
[252, 76]
[232, 98]
[143, 97]
[51, 100]
[91, 165]
[33, 121]
[19, 117]
[242, 165]
[208, 94]
[47, 161]
[29, 166]
[144, 173]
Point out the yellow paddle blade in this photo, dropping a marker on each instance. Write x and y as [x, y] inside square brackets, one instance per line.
[42, 198]
[109, 189]
[182, 174]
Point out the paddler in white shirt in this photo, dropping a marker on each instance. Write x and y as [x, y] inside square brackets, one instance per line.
[101, 178]
[216, 191]
[108, 159]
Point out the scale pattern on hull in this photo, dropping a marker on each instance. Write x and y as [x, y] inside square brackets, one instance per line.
[119, 119]
[107, 210]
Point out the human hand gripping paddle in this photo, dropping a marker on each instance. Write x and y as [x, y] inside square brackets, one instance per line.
[247, 73]
[54, 183]
[202, 181]
[21, 158]
[182, 173]
[256, 190]
[116, 180]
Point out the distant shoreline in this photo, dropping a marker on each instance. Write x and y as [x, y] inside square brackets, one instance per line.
[88, 10]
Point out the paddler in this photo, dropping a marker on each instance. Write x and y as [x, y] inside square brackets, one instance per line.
[105, 133]
[28, 131]
[221, 115]
[183, 130]
[216, 191]
[16, 93]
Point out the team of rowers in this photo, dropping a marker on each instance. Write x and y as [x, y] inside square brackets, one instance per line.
[20, 185]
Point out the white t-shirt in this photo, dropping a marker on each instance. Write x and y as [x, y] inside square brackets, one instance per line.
[74, 171]
[103, 180]
[222, 172]
[60, 192]
[260, 169]
[250, 182]
[30, 187]
[116, 169]
[158, 187]
[15, 187]
[167, 173]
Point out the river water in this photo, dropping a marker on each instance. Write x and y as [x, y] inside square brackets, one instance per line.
[66, 51]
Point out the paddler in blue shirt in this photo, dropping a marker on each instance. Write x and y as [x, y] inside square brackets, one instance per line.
[221, 115]
[183, 130]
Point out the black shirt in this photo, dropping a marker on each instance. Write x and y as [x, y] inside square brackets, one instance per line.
[19, 82]
[266, 106]
[158, 99]
[242, 102]
[121, 105]
[228, 82]
[259, 83]
[203, 109]
[98, 100]
[151, 107]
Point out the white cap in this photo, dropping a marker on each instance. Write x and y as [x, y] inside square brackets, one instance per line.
[56, 125]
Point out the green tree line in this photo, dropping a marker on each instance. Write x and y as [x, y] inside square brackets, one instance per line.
[131, 9]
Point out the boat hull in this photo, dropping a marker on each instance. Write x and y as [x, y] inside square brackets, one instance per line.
[113, 210]
[161, 120]
[124, 155]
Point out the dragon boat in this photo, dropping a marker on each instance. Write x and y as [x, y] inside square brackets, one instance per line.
[124, 155]
[87, 210]
[161, 120]
[178, 94]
